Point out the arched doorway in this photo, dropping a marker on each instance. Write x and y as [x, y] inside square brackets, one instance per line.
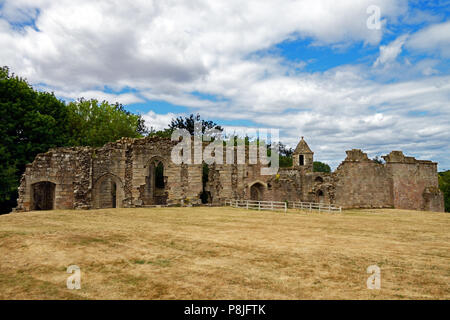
[43, 196]
[320, 197]
[257, 191]
[155, 190]
[108, 192]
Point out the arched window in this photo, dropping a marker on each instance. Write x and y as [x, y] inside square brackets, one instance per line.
[319, 180]
[159, 176]
[154, 192]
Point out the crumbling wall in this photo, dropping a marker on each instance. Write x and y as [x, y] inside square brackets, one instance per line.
[108, 169]
[142, 153]
[286, 185]
[362, 183]
[182, 182]
[122, 174]
[65, 168]
[234, 181]
[415, 183]
[111, 176]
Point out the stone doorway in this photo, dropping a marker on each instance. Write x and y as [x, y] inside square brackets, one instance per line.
[43, 194]
[155, 190]
[108, 192]
[257, 192]
[320, 197]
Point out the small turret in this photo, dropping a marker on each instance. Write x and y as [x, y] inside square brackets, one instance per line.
[303, 157]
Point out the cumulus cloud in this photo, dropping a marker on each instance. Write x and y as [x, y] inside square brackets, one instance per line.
[86, 43]
[157, 121]
[124, 98]
[435, 38]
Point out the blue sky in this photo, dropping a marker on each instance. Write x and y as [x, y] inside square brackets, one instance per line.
[309, 68]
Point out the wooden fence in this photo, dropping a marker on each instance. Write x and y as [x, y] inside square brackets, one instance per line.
[315, 206]
[257, 205]
[279, 205]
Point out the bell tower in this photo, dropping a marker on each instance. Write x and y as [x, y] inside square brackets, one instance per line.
[303, 157]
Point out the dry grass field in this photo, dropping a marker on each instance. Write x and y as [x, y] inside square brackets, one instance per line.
[224, 253]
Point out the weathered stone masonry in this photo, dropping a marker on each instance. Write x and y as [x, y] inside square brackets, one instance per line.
[139, 172]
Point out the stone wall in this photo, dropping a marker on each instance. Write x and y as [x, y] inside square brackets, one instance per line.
[415, 183]
[65, 168]
[363, 183]
[115, 175]
[124, 173]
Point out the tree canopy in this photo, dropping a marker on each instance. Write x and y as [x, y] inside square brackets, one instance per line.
[444, 185]
[285, 156]
[34, 121]
[188, 123]
[321, 167]
[91, 123]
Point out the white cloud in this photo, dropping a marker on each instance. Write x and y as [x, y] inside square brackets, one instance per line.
[165, 50]
[390, 52]
[86, 43]
[435, 38]
[158, 121]
[124, 98]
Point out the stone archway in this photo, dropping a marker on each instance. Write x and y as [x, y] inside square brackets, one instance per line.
[43, 195]
[108, 192]
[320, 196]
[257, 191]
[155, 190]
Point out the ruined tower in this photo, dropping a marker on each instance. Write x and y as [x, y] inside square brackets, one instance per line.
[303, 157]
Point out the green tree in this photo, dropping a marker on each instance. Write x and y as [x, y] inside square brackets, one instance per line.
[444, 185]
[321, 167]
[165, 133]
[91, 123]
[188, 123]
[285, 155]
[32, 122]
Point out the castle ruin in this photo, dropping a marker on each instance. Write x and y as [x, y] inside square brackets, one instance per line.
[139, 172]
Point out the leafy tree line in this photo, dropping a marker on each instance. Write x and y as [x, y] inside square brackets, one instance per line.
[444, 185]
[33, 121]
[91, 123]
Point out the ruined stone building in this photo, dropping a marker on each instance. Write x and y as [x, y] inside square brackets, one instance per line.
[140, 172]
